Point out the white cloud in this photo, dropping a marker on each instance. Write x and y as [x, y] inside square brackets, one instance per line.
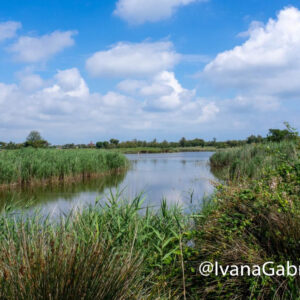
[160, 92]
[208, 112]
[31, 82]
[165, 92]
[6, 91]
[133, 60]
[130, 86]
[34, 49]
[141, 11]
[268, 63]
[63, 108]
[256, 101]
[71, 83]
[8, 30]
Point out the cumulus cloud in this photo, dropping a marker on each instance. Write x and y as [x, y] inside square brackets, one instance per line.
[141, 11]
[161, 92]
[64, 104]
[71, 83]
[6, 91]
[133, 60]
[268, 63]
[165, 93]
[35, 49]
[31, 82]
[8, 30]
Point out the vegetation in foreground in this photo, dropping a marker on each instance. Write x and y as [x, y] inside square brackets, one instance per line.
[251, 220]
[29, 165]
[104, 252]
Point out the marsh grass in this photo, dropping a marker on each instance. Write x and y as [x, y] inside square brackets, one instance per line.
[250, 222]
[109, 251]
[28, 166]
[251, 161]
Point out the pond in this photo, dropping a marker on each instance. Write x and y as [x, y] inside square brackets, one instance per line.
[181, 178]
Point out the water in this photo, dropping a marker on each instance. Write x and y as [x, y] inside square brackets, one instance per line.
[181, 178]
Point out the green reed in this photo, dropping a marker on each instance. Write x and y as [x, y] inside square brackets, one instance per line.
[250, 161]
[27, 165]
[117, 250]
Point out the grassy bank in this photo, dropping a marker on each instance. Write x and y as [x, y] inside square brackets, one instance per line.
[30, 166]
[163, 150]
[251, 161]
[252, 220]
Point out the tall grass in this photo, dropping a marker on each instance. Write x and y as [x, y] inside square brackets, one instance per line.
[251, 220]
[28, 165]
[110, 251]
[250, 161]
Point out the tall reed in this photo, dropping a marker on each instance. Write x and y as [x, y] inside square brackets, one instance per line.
[109, 251]
[250, 161]
[27, 165]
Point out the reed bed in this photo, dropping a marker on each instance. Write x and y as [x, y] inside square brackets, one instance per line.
[27, 166]
[251, 220]
[110, 251]
[250, 161]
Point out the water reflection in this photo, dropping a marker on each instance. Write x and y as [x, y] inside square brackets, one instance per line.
[181, 178]
[44, 195]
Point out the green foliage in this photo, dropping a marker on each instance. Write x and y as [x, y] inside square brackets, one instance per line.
[251, 221]
[277, 135]
[28, 165]
[111, 251]
[251, 161]
[99, 145]
[34, 136]
[34, 139]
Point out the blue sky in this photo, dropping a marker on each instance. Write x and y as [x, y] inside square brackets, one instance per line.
[91, 70]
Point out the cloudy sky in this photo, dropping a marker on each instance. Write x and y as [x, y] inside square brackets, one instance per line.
[81, 71]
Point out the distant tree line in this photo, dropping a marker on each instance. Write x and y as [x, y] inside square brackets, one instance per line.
[35, 140]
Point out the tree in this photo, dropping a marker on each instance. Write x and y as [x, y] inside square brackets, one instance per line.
[34, 136]
[99, 145]
[182, 142]
[278, 135]
[114, 142]
[164, 144]
[2, 145]
[105, 144]
[34, 139]
[254, 139]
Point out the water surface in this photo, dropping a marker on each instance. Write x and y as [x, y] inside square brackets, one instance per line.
[181, 178]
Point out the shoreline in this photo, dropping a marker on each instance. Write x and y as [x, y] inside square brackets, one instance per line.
[162, 150]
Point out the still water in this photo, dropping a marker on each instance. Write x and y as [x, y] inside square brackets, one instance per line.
[181, 178]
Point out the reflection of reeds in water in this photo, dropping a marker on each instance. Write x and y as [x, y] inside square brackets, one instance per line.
[41, 194]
